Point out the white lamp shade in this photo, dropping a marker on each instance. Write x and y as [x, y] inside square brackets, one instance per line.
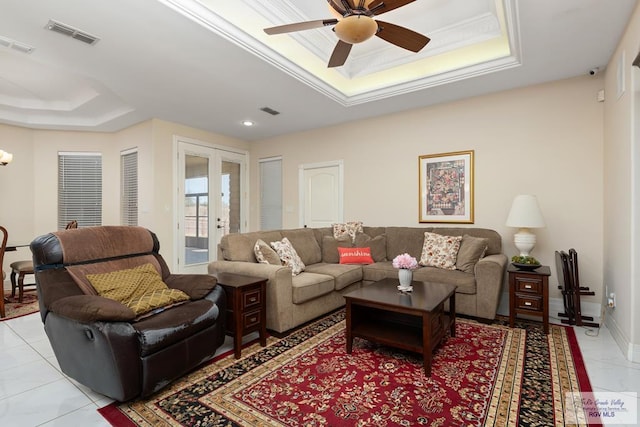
[5, 157]
[525, 213]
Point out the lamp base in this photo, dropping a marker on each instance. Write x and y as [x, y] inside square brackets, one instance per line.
[525, 241]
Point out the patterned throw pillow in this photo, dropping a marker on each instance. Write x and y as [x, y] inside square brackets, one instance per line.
[288, 256]
[348, 229]
[440, 251]
[140, 288]
[265, 254]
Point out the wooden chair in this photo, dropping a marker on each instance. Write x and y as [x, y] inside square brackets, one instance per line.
[565, 286]
[569, 284]
[578, 291]
[3, 247]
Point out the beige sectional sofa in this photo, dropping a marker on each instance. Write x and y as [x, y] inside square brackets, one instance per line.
[293, 300]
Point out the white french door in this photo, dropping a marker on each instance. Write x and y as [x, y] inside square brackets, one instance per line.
[210, 202]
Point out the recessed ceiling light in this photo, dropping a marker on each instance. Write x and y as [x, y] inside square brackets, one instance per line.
[248, 123]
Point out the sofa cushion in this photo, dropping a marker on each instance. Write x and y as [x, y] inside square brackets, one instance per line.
[265, 253]
[378, 245]
[402, 240]
[140, 288]
[378, 271]
[330, 247]
[355, 255]
[465, 282]
[470, 252]
[288, 256]
[307, 286]
[237, 247]
[440, 251]
[307, 247]
[343, 274]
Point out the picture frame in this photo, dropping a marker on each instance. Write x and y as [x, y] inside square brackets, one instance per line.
[445, 186]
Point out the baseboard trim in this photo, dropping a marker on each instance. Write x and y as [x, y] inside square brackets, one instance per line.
[629, 350]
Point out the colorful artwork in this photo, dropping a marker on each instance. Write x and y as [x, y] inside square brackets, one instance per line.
[446, 187]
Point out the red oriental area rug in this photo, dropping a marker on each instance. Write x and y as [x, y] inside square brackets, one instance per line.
[14, 309]
[488, 375]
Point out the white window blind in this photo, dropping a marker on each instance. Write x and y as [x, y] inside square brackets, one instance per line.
[79, 189]
[271, 193]
[129, 187]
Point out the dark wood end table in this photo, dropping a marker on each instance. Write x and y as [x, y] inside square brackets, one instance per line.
[246, 307]
[414, 321]
[529, 293]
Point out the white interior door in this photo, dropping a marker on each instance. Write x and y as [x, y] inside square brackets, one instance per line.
[210, 202]
[321, 194]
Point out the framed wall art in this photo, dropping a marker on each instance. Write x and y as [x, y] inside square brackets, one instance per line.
[446, 187]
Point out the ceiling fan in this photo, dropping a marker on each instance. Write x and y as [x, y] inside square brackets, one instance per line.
[355, 23]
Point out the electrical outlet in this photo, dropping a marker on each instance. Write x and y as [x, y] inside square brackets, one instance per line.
[611, 300]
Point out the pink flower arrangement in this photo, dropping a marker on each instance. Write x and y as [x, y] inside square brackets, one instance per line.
[405, 261]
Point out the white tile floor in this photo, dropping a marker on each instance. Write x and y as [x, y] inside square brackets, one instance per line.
[33, 391]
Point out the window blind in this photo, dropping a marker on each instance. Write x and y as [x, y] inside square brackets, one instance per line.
[129, 187]
[79, 189]
[271, 193]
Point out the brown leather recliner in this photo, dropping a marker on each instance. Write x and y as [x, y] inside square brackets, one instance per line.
[98, 341]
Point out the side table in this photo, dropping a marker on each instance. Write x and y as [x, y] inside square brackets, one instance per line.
[529, 293]
[246, 309]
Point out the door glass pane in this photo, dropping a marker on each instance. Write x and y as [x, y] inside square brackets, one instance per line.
[196, 210]
[229, 222]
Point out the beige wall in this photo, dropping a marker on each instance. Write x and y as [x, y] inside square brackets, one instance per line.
[30, 181]
[545, 140]
[621, 250]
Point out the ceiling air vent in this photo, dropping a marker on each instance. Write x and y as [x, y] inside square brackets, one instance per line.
[12, 44]
[270, 111]
[71, 32]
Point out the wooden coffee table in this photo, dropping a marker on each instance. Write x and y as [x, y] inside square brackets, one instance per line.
[415, 321]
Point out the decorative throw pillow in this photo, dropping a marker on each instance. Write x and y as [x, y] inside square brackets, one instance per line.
[140, 288]
[440, 251]
[288, 256]
[378, 245]
[470, 252]
[355, 256]
[330, 247]
[265, 254]
[348, 229]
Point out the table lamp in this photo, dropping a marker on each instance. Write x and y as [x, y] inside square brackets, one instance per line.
[525, 214]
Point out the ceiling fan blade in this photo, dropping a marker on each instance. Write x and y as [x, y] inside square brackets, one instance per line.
[337, 6]
[349, 4]
[340, 54]
[383, 6]
[299, 26]
[401, 36]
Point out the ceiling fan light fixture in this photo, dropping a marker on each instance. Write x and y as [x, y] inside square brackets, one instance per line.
[356, 29]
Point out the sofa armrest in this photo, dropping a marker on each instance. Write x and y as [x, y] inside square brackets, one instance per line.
[91, 308]
[197, 286]
[279, 288]
[489, 273]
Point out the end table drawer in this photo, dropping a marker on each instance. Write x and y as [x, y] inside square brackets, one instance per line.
[251, 320]
[528, 303]
[530, 286]
[251, 298]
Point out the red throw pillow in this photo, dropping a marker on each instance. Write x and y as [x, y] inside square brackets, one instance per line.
[355, 255]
